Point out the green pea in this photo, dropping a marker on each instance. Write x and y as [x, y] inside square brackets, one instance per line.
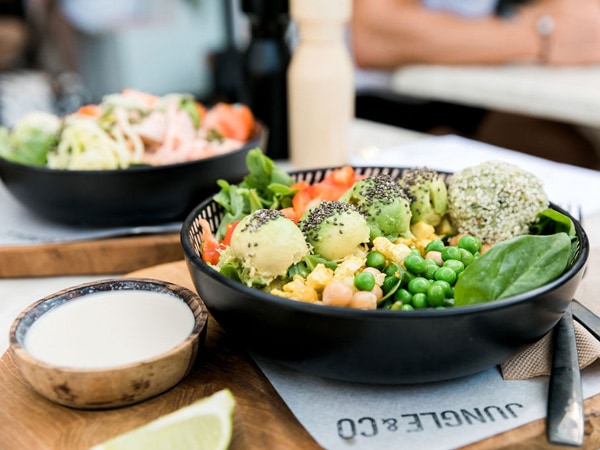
[376, 259]
[364, 281]
[431, 262]
[450, 252]
[449, 302]
[430, 271]
[455, 264]
[406, 277]
[399, 306]
[402, 295]
[418, 285]
[415, 263]
[446, 273]
[446, 286]
[419, 301]
[436, 295]
[466, 256]
[393, 270]
[437, 245]
[390, 284]
[470, 243]
[386, 304]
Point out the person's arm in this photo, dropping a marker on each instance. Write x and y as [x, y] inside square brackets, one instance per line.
[389, 33]
[13, 41]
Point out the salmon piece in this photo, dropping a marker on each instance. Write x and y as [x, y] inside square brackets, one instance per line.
[234, 121]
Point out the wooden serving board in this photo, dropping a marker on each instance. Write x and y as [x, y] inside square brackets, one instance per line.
[261, 418]
[99, 256]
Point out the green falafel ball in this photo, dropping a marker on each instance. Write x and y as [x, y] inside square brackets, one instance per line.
[428, 195]
[383, 203]
[334, 229]
[495, 201]
[267, 243]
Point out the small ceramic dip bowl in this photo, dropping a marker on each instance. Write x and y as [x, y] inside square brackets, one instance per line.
[109, 343]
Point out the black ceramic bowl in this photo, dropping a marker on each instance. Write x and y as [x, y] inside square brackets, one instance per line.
[377, 346]
[142, 195]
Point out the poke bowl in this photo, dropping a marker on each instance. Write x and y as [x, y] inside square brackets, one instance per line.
[375, 345]
[122, 194]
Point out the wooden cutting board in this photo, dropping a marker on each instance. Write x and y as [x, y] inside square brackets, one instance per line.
[261, 418]
[99, 256]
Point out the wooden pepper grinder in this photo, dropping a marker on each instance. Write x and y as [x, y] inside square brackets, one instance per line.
[320, 84]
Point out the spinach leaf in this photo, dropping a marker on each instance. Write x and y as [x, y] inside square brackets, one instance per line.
[265, 186]
[550, 221]
[512, 267]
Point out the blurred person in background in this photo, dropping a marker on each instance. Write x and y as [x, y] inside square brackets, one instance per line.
[386, 34]
[39, 70]
[14, 34]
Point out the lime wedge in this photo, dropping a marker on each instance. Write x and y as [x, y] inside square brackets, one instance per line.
[204, 425]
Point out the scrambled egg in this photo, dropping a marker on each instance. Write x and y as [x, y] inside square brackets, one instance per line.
[422, 234]
[394, 252]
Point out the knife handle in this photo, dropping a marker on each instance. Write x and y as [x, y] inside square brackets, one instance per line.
[565, 419]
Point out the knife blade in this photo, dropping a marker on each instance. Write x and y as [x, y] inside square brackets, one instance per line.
[565, 419]
[587, 318]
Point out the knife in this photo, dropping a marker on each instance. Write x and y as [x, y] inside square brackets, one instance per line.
[565, 419]
[587, 318]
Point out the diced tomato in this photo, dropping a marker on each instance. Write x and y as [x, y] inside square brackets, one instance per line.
[90, 111]
[331, 188]
[234, 121]
[226, 241]
[290, 213]
[211, 248]
[343, 176]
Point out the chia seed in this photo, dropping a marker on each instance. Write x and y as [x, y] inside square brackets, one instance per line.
[377, 191]
[259, 218]
[325, 212]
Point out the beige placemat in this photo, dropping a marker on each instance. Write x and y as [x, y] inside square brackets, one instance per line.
[536, 360]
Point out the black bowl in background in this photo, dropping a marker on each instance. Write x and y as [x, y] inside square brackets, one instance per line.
[139, 195]
[377, 346]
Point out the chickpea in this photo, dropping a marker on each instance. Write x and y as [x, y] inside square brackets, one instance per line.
[485, 248]
[435, 255]
[453, 241]
[364, 300]
[378, 292]
[337, 293]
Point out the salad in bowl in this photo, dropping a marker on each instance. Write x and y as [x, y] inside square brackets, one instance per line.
[384, 275]
[127, 129]
[133, 159]
[415, 241]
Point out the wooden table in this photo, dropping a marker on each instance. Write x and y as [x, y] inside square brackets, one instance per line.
[566, 94]
[99, 256]
[261, 418]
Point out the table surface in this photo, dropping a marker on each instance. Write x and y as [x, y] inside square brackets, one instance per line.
[568, 94]
[17, 293]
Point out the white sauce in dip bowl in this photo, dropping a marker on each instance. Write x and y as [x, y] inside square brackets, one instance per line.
[108, 329]
[109, 343]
